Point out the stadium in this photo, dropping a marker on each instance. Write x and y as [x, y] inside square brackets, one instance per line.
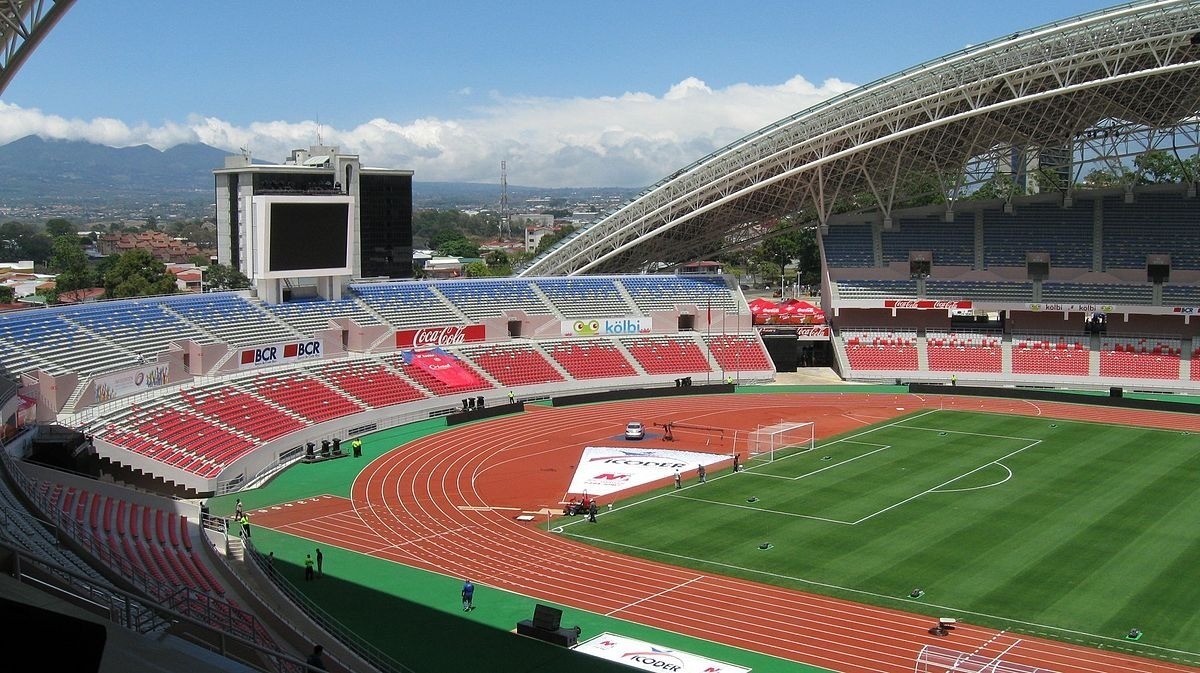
[1001, 477]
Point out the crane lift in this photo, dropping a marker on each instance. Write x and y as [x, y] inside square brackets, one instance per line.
[670, 426]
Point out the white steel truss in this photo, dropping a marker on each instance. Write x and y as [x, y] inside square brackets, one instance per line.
[24, 24]
[1091, 90]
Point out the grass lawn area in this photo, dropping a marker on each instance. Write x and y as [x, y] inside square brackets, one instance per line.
[1063, 529]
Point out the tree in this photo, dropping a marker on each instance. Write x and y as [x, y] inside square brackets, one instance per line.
[7, 295]
[476, 270]
[68, 260]
[458, 247]
[1158, 166]
[20, 241]
[496, 258]
[137, 273]
[224, 277]
[549, 240]
[57, 226]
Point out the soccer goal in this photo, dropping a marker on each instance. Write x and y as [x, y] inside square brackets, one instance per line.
[934, 659]
[769, 442]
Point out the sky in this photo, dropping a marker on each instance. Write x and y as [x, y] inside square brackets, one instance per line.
[566, 93]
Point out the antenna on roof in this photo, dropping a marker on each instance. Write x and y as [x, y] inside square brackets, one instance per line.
[318, 128]
[245, 154]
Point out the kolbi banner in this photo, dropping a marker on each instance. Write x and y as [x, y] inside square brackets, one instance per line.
[607, 326]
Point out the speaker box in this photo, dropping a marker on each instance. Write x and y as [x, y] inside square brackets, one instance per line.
[1115, 392]
[546, 617]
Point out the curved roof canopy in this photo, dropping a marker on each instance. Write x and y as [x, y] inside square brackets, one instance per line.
[24, 23]
[1095, 88]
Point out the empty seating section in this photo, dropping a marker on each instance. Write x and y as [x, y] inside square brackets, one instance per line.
[303, 395]
[881, 350]
[952, 243]
[1091, 293]
[433, 384]
[1195, 364]
[1128, 239]
[150, 546]
[936, 288]
[597, 358]
[306, 317]
[488, 298]
[1180, 295]
[407, 304]
[371, 383]
[242, 411]
[964, 352]
[232, 319]
[668, 355]
[141, 326]
[181, 438]
[877, 289]
[739, 352]
[1053, 354]
[1140, 357]
[50, 340]
[1064, 233]
[849, 245]
[666, 292]
[513, 365]
[583, 297]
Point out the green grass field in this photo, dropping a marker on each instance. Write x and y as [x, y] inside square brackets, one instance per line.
[1063, 529]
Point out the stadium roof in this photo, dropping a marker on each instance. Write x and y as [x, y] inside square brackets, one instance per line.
[1096, 88]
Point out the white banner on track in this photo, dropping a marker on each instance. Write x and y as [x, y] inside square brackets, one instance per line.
[648, 657]
[603, 470]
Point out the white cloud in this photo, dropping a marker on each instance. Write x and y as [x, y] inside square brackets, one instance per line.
[629, 140]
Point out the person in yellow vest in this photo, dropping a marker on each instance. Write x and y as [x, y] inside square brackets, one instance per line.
[245, 521]
[356, 447]
[308, 567]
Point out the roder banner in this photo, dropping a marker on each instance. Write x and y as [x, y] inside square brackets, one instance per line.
[607, 326]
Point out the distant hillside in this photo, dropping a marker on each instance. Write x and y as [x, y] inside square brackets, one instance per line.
[46, 172]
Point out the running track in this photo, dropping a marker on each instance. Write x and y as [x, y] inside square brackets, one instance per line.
[447, 503]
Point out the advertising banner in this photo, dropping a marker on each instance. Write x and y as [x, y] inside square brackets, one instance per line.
[124, 384]
[924, 304]
[441, 366]
[431, 337]
[607, 326]
[603, 470]
[279, 353]
[650, 657]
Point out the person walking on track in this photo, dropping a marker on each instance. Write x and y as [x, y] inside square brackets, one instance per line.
[678, 480]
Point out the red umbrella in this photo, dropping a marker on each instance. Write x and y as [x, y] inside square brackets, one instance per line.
[761, 305]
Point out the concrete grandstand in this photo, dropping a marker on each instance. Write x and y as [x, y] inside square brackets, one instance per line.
[181, 398]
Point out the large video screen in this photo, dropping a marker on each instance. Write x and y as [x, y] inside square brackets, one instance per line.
[307, 235]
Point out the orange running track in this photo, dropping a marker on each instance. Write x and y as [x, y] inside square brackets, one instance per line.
[447, 503]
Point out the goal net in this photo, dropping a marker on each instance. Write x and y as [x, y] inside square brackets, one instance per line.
[934, 659]
[769, 442]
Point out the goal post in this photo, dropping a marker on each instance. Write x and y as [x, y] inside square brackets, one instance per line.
[934, 659]
[768, 442]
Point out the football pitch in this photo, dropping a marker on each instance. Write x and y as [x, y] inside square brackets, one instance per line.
[1056, 528]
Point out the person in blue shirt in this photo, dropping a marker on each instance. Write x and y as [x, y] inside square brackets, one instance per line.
[468, 595]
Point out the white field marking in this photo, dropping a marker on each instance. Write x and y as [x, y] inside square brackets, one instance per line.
[962, 432]
[471, 508]
[653, 596]
[951, 481]
[851, 437]
[899, 601]
[976, 488]
[769, 511]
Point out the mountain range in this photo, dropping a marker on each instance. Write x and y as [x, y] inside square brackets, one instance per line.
[71, 172]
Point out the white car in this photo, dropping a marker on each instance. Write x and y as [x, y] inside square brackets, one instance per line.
[634, 430]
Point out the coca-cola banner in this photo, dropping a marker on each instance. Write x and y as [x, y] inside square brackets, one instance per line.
[925, 303]
[429, 337]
